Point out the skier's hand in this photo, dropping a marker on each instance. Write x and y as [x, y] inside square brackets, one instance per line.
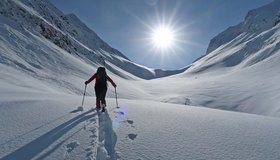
[86, 82]
[114, 85]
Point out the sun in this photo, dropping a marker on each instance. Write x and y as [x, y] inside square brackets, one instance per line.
[163, 37]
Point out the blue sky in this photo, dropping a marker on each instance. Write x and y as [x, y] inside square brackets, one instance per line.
[127, 25]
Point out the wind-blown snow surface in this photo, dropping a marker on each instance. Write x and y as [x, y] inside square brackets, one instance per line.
[50, 127]
[42, 80]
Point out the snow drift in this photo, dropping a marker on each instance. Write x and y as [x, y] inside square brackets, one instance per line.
[45, 57]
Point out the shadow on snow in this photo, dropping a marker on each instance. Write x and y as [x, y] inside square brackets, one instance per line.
[107, 138]
[35, 147]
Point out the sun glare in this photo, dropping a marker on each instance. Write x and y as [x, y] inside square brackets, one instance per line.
[163, 37]
[166, 32]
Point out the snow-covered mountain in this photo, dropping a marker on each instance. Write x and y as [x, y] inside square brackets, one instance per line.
[42, 19]
[45, 57]
[240, 71]
[246, 43]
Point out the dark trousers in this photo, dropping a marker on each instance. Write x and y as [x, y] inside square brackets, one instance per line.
[100, 92]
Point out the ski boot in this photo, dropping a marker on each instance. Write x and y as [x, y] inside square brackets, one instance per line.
[103, 107]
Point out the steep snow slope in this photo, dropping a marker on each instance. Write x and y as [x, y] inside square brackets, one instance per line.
[246, 44]
[33, 64]
[240, 72]
[40, 82]
[70, 34]
[256, 21]
[39, 55]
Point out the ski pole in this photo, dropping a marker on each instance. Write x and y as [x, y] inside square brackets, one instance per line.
[84, 95]
[116, 98]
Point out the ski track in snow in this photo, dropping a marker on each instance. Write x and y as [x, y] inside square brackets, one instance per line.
[39, 118]
[137, 130]
[75, 135]
[107, 138]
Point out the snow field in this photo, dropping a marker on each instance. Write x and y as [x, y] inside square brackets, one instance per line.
[40, 84]
[153, 130]
[54, 129]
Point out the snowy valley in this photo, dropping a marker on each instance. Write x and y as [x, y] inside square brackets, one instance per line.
[224, 105]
